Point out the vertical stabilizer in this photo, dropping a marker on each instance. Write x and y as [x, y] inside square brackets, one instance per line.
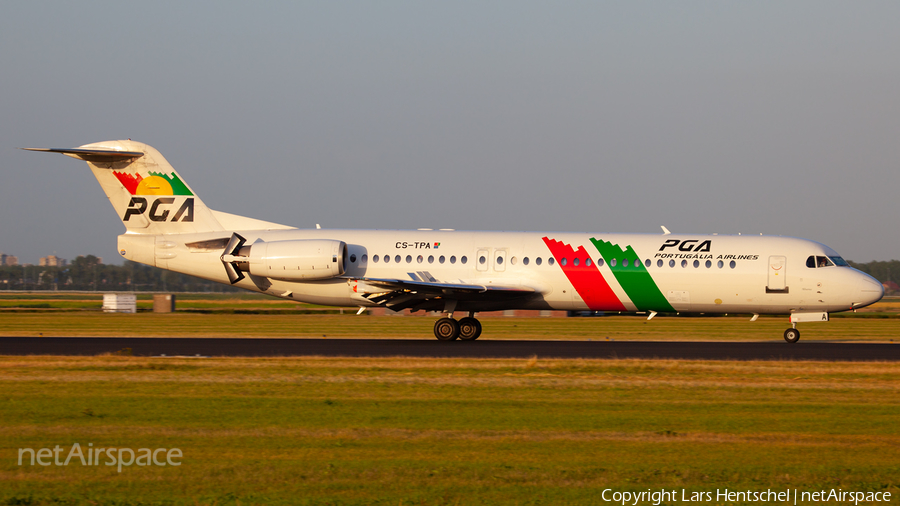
[147, 193]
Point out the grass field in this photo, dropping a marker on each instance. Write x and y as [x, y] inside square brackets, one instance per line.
[88, 301]
[441, 431]
[417, 327]
[438, 431]
[252, 315]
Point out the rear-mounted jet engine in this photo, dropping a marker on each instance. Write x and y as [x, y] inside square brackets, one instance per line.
[300, 260]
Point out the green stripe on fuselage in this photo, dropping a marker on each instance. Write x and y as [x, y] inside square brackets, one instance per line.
[634, 279]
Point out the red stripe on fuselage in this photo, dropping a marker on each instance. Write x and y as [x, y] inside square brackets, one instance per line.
[587, 280]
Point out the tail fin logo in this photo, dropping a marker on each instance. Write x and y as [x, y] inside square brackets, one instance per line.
[160, 209]
[157, 183]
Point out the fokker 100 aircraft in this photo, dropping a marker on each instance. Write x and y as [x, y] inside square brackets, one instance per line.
[453, 272]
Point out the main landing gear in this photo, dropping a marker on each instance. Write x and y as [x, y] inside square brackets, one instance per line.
[466, 329]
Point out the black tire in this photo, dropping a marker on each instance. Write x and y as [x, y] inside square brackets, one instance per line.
[446, 329]
[469, 329]
[792, 335]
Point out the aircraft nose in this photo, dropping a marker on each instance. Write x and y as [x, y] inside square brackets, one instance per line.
[869, 291]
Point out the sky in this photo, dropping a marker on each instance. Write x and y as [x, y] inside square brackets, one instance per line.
[769, 117]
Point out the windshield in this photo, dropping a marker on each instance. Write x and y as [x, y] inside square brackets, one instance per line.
[823, 261]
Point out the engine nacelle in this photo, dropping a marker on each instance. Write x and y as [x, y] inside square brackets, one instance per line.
[301, 260]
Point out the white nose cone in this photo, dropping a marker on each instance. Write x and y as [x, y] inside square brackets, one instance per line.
[869, 291]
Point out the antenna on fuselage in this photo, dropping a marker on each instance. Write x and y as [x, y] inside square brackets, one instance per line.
[665, 230]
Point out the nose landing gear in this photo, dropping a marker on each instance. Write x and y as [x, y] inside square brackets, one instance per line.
[792, 335]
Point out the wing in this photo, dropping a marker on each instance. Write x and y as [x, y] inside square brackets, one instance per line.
[423, 291]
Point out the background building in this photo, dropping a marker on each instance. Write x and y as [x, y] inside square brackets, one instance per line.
[53, 261]
[8, 259]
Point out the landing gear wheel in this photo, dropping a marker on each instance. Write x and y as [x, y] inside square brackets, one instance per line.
[446, 329]
[792, 335]
[469, 328]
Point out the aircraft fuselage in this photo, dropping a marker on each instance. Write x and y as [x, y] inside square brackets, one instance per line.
[567, 271]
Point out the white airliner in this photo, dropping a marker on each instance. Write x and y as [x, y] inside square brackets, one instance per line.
[168, 226]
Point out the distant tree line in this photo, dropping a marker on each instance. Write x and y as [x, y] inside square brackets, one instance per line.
[87, 273]
[886, 272]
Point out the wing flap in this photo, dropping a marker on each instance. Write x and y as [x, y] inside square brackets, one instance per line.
[443, 288]
[399, 294]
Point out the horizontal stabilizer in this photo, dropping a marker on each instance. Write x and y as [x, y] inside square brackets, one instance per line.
[92, 155]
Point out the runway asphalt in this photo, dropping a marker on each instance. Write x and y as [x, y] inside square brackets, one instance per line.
[239, 347]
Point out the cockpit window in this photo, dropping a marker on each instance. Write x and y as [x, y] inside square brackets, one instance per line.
[822, 261]
[840, 262]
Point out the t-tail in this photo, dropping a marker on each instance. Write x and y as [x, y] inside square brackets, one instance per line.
[149, 196]
[153, 200]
